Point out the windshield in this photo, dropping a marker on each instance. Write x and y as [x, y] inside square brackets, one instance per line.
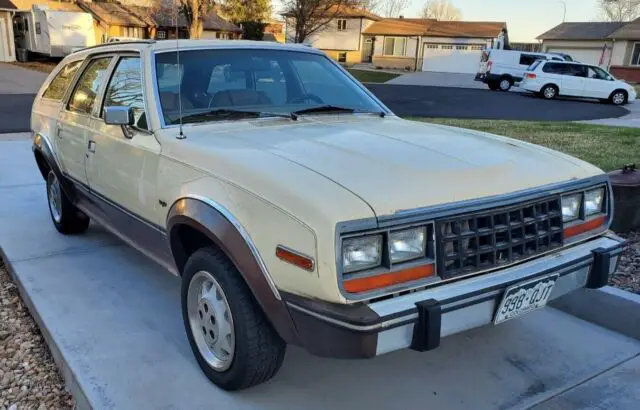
[216, 82]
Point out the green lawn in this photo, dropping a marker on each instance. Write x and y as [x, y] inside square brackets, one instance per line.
[606, 147]
[365, 76]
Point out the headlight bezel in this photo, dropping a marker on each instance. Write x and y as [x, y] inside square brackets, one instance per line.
[586, 219]
[380, 249]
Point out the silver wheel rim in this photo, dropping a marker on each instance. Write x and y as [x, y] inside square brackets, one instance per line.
[211, 321]
[55, 198]
[505, 84]
[549, 92]
[618, 98]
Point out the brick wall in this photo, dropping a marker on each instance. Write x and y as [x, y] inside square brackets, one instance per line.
[628, 73]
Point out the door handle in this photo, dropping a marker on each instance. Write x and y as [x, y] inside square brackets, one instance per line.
[92, 146]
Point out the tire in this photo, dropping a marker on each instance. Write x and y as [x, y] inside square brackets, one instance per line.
[493, 86]
[505, 84]
[66, 217]
[253, 352]
[619, 97]
[549, 92]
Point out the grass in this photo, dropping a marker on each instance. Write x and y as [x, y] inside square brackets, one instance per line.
[606, 147]
[365, 76]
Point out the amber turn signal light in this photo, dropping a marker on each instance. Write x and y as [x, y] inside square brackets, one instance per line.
[388, 279]
[584, 227]
[295, 258]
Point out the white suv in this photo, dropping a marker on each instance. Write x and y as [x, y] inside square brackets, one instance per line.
[552, 78]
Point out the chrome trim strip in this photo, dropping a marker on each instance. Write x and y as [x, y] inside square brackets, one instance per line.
[245, 235]
[302, 255]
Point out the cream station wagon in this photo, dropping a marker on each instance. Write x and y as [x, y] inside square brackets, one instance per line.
[298, 209]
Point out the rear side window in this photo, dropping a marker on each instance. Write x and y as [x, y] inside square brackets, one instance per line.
[528, 59]
[553, 68]
[534, 65]
[86, 91]
[575, 70]
[61, 82]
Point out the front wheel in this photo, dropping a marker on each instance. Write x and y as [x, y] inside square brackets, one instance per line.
[619, 97]
[234, 344]
[65, 216]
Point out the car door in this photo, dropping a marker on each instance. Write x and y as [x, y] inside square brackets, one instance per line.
[122, 169]
[574, 79]
[74, 121]
[599, 83]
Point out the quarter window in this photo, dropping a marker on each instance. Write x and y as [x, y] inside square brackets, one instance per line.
[61, 82]
[86, 91]
[125, 89]
[394, 46]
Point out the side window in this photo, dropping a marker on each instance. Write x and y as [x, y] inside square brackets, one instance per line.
[575, 70]
[552, 68]
[86, 91]
[527, 59]
[597, 73]
[125, 90]
[61, 82]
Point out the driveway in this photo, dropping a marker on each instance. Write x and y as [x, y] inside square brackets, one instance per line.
[435, 79]
[112, 320]
[453, 102]
[18, 87]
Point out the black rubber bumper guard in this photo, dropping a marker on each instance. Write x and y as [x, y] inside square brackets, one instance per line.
[426, 332]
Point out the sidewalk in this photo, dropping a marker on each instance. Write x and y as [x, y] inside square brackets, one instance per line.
[631, 120]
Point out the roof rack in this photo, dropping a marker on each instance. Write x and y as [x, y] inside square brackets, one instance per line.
[115, 43]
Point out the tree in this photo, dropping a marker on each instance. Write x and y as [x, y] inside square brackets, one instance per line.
[442, 10]
[619, 10]
[310, 16]
[240, 11]
[373, 6]
[393, 8]
[194, 12]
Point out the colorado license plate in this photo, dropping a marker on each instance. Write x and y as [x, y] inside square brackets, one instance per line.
[525, 297]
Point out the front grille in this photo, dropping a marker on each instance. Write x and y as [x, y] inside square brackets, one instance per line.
[492, 238]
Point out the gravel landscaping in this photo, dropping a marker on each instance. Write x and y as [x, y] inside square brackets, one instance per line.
[628, 275]
[29, 378]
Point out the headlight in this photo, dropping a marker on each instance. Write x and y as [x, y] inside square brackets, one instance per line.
[361, 253]
[571, 207]
[593, 201]
[408, 244]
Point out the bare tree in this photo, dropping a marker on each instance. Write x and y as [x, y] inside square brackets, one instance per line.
[373, 6]
[393, 8]
[619, 10]
[310, 16]
[442, 10]
[194, 11]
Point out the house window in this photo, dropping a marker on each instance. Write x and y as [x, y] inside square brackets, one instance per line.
[433, 46]
[635, 57]
[342, 57]
[342, 25]
[478, 48]
[447, 47]
[395, 46]
[161, 35]
[132, 32]
[462, 47]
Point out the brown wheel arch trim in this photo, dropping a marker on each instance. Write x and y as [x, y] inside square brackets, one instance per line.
[216, 222]
[42, 146]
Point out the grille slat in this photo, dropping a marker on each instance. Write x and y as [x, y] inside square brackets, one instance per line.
[493, 238]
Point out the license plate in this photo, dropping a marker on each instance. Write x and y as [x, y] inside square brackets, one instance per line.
[525, 297]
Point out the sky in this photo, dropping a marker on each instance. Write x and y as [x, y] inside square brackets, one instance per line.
[526, 19]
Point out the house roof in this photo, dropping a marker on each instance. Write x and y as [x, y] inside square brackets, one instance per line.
[7, 5]
[434, 28]
[582, 31]
[346, 11]
[51, 5]
[213, 21]
[629, 31]
[113, 14]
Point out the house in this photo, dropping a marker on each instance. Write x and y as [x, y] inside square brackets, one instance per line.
[429, 44]
[342, 38]
[612, 45]
[7, 48]
[114, 20]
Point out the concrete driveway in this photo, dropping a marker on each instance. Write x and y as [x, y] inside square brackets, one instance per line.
[18, 87]
[435, 79]
[113, 322]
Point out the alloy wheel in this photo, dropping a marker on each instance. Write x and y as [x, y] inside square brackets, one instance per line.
[55, 198]
[549, 92]
[618, 98]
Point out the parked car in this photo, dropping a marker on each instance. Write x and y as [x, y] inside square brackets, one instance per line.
[304, 211]
[550, 79]
[501, 69]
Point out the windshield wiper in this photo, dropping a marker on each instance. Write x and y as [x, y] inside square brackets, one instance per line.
[226, 113]
[334, 108]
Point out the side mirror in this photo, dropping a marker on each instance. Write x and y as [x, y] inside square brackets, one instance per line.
[118, 116]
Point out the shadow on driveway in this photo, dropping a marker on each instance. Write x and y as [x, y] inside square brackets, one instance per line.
[448, 102]
[15, 112]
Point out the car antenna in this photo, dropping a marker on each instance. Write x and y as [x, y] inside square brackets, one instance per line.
[181, 135]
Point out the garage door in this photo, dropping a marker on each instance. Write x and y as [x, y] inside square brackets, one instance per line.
[584, 55]
[452, 58]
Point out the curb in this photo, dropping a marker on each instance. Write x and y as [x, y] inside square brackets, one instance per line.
[611, 308]
[70, 379]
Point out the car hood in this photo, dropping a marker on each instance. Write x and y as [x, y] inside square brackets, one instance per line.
[394, 164]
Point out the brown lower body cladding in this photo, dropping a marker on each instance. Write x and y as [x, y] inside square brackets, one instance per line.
[400, 63]
[627, 73]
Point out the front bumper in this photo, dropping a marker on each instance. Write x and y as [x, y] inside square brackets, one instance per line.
[420, 319]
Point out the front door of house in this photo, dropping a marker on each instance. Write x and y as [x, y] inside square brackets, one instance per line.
[367, 52]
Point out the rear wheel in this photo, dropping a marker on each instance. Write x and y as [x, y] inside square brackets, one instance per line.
[619, 97]
[549, 91]
[234, 343]
[65, 216]
[505, 83]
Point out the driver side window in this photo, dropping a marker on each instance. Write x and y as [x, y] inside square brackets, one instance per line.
[125, 90]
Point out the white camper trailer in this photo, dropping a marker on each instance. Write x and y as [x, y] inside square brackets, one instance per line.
[52, 33]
